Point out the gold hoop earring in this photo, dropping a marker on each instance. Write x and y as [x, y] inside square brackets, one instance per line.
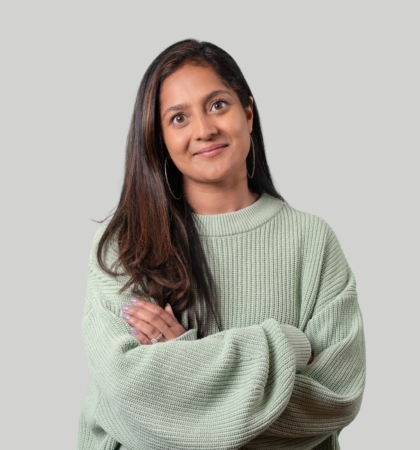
[167, 182]
[253, 164]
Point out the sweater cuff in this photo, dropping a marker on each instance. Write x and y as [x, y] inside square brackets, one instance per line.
[300, 345]
[190, 335]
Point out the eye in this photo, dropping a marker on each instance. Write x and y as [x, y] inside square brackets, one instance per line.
[178, 119]
[218, 105]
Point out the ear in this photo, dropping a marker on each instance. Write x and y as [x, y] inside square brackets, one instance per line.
[249, 111]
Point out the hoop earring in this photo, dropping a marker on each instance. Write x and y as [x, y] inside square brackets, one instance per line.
[167, 182]
[253, 164]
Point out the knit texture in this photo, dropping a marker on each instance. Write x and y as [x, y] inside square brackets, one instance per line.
[285, 287]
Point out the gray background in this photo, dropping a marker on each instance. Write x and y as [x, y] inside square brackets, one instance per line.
[337, 86]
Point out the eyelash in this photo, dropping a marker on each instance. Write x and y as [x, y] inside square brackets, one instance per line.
[220, 100]
[173, 117]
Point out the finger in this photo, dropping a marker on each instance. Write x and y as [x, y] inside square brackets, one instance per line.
[140, 336]
[168, 309]
[143, 327]
[142, 330]
[138, 313]
[169, 319]
[143, 338]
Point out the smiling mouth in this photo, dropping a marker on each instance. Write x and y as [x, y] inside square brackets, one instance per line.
[211, 149]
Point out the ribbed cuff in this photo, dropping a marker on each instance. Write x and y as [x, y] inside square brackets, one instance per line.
[300, 344]
[190, 335]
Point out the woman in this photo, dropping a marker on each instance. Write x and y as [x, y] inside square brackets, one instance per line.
[216, 315]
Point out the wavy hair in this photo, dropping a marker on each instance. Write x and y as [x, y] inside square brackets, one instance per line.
[159, 246]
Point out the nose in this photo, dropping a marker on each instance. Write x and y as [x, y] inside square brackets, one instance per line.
[204, 127]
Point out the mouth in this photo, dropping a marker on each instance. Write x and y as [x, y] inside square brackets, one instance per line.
[211, 150]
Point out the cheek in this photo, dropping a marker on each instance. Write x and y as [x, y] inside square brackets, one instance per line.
[175, 141]
[240, 131]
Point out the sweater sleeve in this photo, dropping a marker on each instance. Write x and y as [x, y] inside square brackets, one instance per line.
[327, 394]
[218, 392]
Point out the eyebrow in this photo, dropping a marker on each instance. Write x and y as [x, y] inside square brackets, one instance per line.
[207, 97]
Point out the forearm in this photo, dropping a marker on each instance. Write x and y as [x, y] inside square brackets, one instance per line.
[327, 394]
[214, 393]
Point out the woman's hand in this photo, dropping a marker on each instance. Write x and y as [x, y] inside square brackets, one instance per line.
[147, 320]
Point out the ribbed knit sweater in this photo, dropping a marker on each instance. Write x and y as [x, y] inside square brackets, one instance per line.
[285, 288]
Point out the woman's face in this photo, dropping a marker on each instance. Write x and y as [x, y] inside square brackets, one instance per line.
[199, 112]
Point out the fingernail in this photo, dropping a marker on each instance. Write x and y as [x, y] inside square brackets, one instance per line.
[126, 316]
[134, 331]
[134, 299]
[125, 307]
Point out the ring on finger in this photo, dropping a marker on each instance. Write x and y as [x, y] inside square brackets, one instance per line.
[156, 339]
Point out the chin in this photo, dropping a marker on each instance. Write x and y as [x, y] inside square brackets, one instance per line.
[210, 170]
[220, 175]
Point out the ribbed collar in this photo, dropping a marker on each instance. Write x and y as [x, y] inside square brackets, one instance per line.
[245, 219]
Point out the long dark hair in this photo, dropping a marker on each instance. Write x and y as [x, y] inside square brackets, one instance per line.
[158, 244]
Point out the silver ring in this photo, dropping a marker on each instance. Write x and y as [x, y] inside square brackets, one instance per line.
[156, 339]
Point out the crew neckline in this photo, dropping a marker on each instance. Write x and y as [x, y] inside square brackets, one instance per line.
[240, 221]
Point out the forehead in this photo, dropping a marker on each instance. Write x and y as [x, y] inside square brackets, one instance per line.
[190, 83]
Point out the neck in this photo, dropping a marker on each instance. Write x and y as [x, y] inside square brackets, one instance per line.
[212, 199]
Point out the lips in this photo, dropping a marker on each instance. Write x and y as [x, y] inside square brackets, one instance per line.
[210, 148]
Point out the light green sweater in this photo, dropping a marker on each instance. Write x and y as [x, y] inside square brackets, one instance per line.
[285, 288]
